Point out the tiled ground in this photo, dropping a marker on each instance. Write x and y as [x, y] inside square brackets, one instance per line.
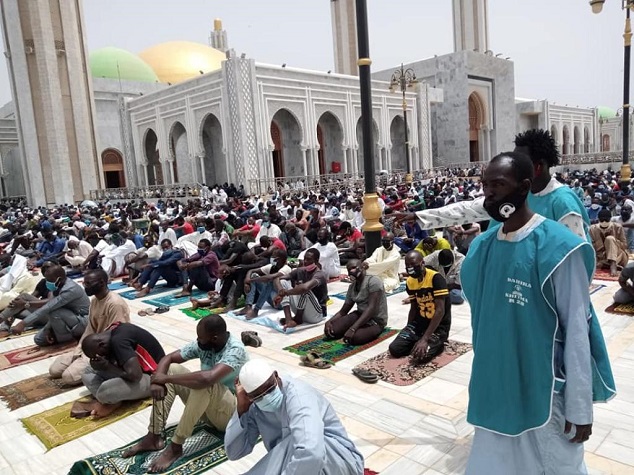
[419, 429]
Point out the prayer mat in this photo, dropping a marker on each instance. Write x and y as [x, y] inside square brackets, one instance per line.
[400, 372]
[11, 336]
[367, 471]
[335, 350]
[172, 301]
[29, 354]
[604, 274]
[201, 452]
[271, 319]
[159, 289]
[117, 285]
[621, 308]
[398, 290]
[595, 288]
[206, 311]
[56, 427]
[32, 390]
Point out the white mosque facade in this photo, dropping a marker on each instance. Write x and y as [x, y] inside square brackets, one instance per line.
[189, 113]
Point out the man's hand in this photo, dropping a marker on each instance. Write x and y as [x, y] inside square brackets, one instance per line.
[99, 363]
[282, 293]
[243, 402]
[365, 265]
[349, 334]
[157, 391]
[158, 378]
[420, 349]
[582, 432]
[404, 216]
[17, 304]
[18, 328]
[328, 327]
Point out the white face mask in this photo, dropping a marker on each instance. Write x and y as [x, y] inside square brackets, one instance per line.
[272, 401]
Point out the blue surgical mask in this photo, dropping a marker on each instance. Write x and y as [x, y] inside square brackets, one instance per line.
[201, 229]
[272, 401]
[265, 224]
[51, 286]
[272, 261]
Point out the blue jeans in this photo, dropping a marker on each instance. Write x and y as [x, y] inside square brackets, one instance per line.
[151, 275]
[455, 295]
[261, 293]
[405, 247]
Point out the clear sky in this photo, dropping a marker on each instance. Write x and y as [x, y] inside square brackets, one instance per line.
[562, 52]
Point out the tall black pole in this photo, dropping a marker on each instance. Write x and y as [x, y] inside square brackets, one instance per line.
[626, 171]
[371, 209]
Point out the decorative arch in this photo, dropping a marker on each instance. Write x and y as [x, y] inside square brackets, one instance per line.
[375, 152]
[113, 168]
[397, 137]
[477, 118]
[330, 139]
[554, 134]
[286, 134]
[294, 115]
[605, 143]
[576, 135]
[152, 157]
[180, 151]
[566, 143]
[586, 140]
[214, 166]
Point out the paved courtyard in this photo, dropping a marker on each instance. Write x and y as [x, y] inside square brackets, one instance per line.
[410, 430]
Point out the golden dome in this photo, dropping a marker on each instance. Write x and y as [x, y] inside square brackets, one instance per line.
[177, 61]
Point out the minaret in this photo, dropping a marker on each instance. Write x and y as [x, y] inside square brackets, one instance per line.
[471, 25]
[218, 37]
[47, 60]
[344, 36]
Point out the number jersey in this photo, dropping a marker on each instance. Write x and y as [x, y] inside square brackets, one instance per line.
[430, 287]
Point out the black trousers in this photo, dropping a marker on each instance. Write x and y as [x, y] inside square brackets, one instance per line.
[404, 342]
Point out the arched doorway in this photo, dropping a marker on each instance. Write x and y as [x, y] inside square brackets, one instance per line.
[214, 162]
[330, 139]
[154, 169]
[476, 120]
[288, 160]
[555, 135]
[576, 134]
[605, 143]
[113, 168]
[397, 137]
[566, 144]
[375, 138]
[182, 170]
[586, 140]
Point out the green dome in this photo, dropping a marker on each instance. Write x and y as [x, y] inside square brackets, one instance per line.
[606, 112]
[115, 63]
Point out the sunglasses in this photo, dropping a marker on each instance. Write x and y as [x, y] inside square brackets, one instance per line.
[260, 396]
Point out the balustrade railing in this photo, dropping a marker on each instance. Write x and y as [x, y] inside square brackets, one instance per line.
[177, 190]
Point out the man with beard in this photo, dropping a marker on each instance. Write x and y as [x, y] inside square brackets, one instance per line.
[106, 308]
[539, 356]
[547, 196]
[384, 263]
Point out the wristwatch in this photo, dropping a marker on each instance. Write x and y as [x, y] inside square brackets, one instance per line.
[27, 305]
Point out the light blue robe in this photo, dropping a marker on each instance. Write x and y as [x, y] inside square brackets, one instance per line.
[305, 437]
[529, 438]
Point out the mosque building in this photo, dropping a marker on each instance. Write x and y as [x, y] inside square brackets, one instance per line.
[192, 113]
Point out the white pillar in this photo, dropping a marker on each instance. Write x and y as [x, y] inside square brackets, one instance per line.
[305, 161]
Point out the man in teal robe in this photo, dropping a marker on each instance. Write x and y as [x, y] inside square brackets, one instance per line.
[539, 359]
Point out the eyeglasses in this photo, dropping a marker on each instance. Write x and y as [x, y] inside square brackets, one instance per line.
[260, 396]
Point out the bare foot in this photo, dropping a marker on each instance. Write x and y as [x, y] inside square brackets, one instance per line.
[194, 303]
[244, 311]
[149, 443]
[170, 455]
[251, 313]
[136, 286]
[614, 271]
[142, 293]
[290, 323]
[104, 410]
[217, 303]
[212, 294]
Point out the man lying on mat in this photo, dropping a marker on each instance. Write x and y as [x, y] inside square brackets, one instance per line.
[429, 316]
[106, 308]
[304, 292]
[367, 322]
[299, 428]
[208, 392]
[121, 361]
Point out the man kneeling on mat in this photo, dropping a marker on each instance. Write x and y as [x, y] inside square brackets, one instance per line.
[429, 316]
[209, 392]
[121, 361]
[367, 322]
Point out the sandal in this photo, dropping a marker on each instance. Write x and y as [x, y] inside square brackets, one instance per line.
[162, 309]
[251, 338]
[313, 360]
[146, 312]
[365, 375]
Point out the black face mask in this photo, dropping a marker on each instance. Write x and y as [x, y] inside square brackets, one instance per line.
[503, 209]
[388, 245]
[205, 346]
[92, 290]
[625, 216]
[415, 271]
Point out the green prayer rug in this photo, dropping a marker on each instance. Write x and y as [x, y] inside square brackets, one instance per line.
[201, 452]
[335, 350]
[204, 312]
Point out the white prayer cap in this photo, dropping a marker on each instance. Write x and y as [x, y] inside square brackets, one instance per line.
[254, 374]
